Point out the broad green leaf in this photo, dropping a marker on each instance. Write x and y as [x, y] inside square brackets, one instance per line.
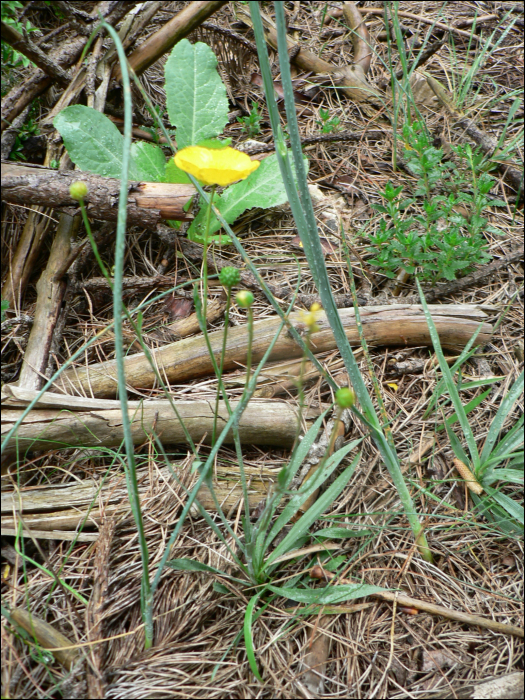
[150, 161]
[175, 175]
[215, 143]
[195, 95]
[93, 142]
[328, 595]
[263, 188]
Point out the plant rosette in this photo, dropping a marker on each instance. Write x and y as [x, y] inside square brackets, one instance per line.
[197, 106]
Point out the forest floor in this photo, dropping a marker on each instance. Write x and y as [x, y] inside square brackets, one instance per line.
[83, 577]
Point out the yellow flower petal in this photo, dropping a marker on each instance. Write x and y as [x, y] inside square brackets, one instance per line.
[214, 166]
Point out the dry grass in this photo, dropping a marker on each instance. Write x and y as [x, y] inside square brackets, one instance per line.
[198, 647]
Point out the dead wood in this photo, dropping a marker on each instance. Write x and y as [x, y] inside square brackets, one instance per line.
[173, 31]
[25, 256]
[443, 290]
[149, 202]
[51, 289]
[395, 325]
[26, 47]
[350, 79]
[22, 95]
[67, 425]
[508, 687]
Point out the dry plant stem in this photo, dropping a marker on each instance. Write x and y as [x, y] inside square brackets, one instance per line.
[422, 18]
[443, 290]
[406, 601]
[359, 35]
[27, 48]
[149, 202]
[51, 289]
[395, 325]
[173, 31]
[25, 256]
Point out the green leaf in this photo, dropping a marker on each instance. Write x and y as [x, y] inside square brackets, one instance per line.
[248, 639]
[513, 509]
[328, 595]
[451, 387]
[215, 143]
[195, 95]
[150, 161]
[339, 533]
[501, 415]
[175, 175]
[470, 406]
[325, 500]
[192, 565]
[263, 188]
[93, 142]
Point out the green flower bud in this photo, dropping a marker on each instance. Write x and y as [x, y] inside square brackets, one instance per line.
[78, 190]
[244, 299]
[229, 276]
[345, 397]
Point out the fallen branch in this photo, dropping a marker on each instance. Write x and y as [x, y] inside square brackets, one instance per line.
[69, 421]
[393, 325]
[149, 202]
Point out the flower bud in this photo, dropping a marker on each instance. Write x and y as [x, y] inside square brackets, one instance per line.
[244, 299]
[345, 397]
[229, 276]
[78, 190]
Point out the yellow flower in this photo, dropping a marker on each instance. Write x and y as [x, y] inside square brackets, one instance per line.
[310, 319]
[215, 166]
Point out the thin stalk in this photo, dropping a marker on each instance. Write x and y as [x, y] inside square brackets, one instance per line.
[364, 345]
[223, 355]
[120, 245]
[302, 210]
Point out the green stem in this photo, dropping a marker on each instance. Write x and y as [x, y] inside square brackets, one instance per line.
[221, 366]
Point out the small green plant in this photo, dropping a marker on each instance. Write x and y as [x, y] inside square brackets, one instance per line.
[5, 306]
[328, 125]
[501, 459]
[30, 128]
[197, 106]
[251, 125]
[11, 58]
[447, 237]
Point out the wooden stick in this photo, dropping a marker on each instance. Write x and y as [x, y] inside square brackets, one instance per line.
[173, 31]
[149, 202]
[394, 325]
[100, 423]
